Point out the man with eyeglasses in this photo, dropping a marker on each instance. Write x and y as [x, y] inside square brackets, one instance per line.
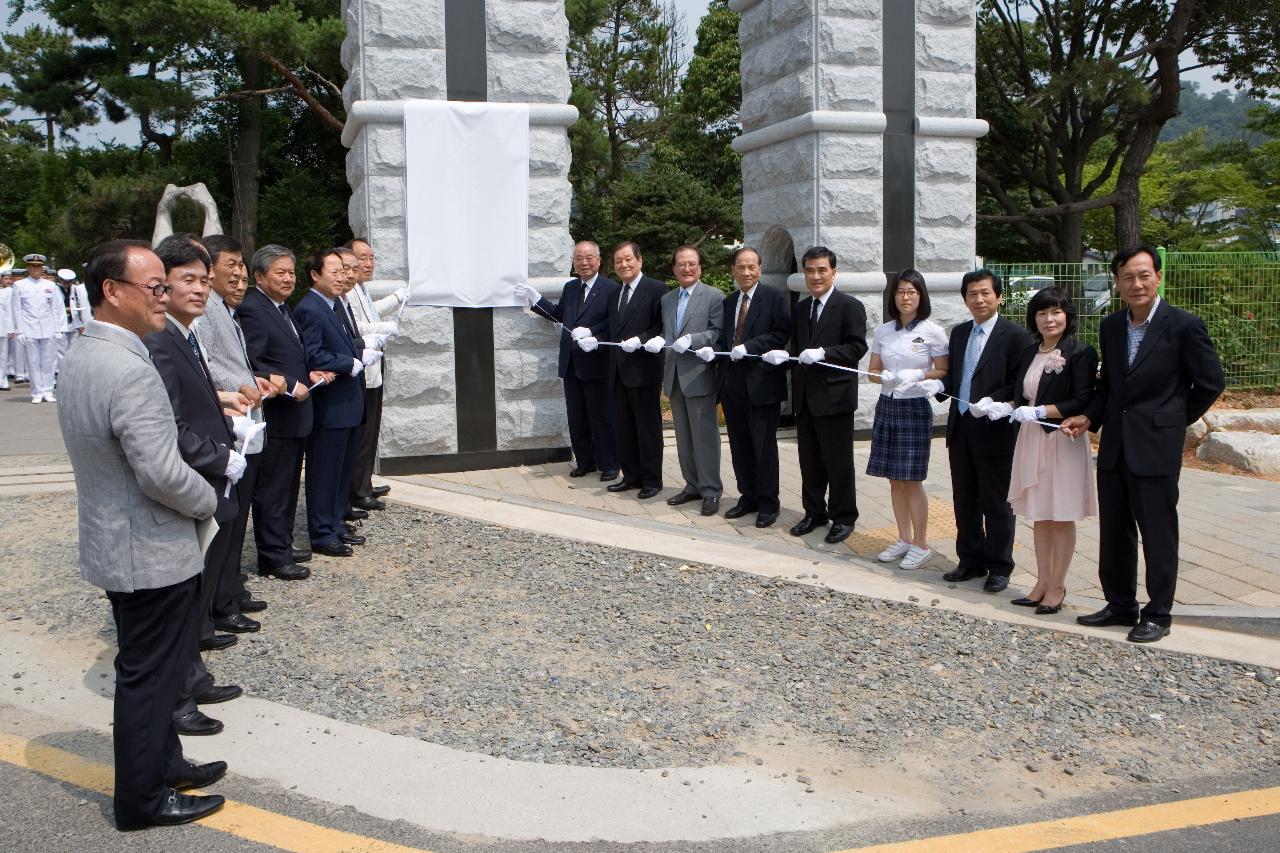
[138, 503]
[207, 442]
[583, 312]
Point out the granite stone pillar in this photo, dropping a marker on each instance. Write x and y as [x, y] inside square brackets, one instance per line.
[466, 388]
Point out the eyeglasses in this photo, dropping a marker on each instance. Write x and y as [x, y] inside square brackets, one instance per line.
[157, 290]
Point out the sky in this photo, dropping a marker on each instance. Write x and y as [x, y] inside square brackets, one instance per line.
[693, 10]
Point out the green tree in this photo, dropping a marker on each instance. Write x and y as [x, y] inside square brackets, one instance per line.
[49, 76]
[1058, 78]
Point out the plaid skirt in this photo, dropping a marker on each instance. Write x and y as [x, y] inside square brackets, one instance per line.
[900, 438]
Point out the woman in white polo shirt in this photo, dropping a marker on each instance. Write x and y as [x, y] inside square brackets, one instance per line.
[910, 354]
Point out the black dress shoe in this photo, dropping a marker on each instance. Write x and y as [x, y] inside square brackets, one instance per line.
[351, 539]
[237, 623]
[286, 573]
[369, 503]
[199, 776]
[350, 528]
[179, 809]
[807, 525]
[839, 533]
[249, 604]
[1025, 601]
[219, 693]
[353, 515]
[582, 470]
[381, 491]
[1147, 631]
[1104, 617]
[681, 497]
[608, 476]
[301, 556]
[647, 492]
[740, 509]
[623, 486]
[218, 642]
[710, 506]
[341, 549]
[995, 583]
[196, 723]
[766, 519]
[959, 575]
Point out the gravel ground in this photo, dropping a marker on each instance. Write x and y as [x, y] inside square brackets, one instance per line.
[538, 649]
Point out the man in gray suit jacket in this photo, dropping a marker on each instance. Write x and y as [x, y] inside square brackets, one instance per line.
[692, 317]
[138, 541]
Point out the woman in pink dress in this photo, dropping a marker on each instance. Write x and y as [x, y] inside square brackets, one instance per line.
[1053, 481]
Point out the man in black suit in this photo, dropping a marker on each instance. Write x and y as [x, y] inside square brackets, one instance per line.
[756, 320]
[207, 443]
[984, 367]
[583, 309]
[635, 376]
[827, 326]
[1160, 373]
[274, 346]
[338, 405]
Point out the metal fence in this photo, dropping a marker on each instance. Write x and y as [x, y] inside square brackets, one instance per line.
[1237, 294]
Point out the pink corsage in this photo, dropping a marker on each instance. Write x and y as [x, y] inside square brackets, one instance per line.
[1054, 362]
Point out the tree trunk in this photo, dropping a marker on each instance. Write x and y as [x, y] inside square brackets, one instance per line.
[245, 158]
[1070, 249]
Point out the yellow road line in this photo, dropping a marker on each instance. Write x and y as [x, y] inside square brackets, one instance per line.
[238, 819]
[299, 836]
[1105, 826]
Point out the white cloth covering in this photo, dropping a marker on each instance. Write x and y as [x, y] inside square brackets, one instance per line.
[467, 208]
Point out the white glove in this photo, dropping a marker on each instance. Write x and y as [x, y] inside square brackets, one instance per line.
[588, 344]
[403, 295]
[982, 408]
[931, 387]
[888, 377]
[682, 344]
[776, 357]
[631, 345]
[240, 426]
[358, 367]
[999, 411]
[376, 341]
[654, 344]
[1026, 414]
[370, 357]
[707, 354]
[22, 339]
[235, 466]
[527, 293]
[395, 331]
[581, 332]
[911, 374]
[738, 353]
[815, 354]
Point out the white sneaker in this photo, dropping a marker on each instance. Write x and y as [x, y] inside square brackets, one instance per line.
[893, 552]
[49, 398]
[916, 557]
[37, 400]
[4, 387]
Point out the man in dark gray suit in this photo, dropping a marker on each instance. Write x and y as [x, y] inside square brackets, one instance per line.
[138, 506]
[692, 317]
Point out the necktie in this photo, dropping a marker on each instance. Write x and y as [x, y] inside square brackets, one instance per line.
[743, 301]
[284, 312]
[244, 350]
[352, 317]
[195, 348]
[813, 311]
[342, 317]
[971, 353]
[626, 297]
[680, 306]
[582, 296]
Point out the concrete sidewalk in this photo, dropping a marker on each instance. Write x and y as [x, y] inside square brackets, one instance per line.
[1230, 526]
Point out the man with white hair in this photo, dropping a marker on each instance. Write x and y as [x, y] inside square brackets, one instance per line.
[39, 314]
